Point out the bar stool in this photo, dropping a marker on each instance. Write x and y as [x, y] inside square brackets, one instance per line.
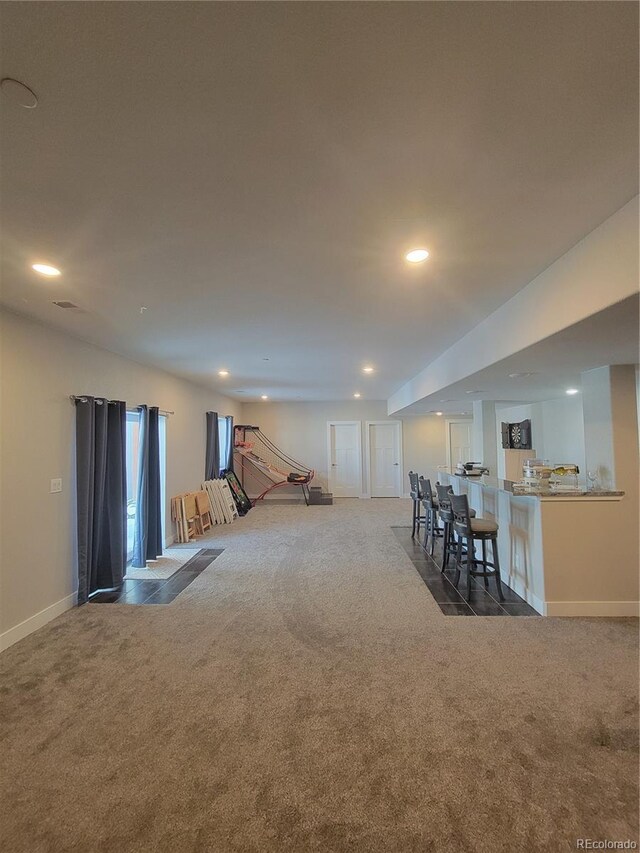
[431, 527]
[414, 492]
[475, 530]
[449, 544]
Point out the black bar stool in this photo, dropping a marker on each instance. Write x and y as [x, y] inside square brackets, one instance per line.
[431, 527]
[449, 544]
[414, 491]
[474, 530]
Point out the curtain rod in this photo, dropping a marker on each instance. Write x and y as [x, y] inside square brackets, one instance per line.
[100, 400]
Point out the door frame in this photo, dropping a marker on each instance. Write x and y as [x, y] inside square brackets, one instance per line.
[367, 454]
[447, 432]
[357, 424]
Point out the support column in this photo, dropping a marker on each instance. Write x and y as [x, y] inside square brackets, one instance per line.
[484, 437]
[609, 404]
[609, 408]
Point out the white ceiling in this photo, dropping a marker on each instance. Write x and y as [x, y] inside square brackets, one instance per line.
[253, 172]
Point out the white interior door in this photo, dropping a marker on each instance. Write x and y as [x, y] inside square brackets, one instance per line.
[345, 459]
[459, 435]
[384, 451]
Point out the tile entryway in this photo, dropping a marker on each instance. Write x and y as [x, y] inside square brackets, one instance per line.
[451, 601]
[158, 591]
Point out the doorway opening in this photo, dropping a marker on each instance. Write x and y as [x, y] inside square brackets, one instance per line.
[133, 447]
[459, 442]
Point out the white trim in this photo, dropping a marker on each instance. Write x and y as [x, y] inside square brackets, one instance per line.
[592, 608]
[23, 629]
[359, 436]
[367, 453]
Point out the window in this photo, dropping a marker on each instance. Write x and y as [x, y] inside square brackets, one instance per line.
[132, 442]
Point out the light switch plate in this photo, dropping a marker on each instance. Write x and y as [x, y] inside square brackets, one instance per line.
[56, 485]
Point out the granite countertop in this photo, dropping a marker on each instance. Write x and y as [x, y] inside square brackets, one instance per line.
[532, 491]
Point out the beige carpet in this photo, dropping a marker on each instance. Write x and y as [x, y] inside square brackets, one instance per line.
[305, 693]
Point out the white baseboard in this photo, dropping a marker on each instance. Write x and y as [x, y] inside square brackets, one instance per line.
[575, 608]
[23, 629]
[592, 608]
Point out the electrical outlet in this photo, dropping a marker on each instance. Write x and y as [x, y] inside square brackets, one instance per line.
[56, 485]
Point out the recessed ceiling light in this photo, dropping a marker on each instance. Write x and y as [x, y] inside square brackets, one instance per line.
[223, 373]
[264, 397]
[439, 414]
[522, 375]
[474, 392]
[572, 391]
[417, 256]
[45, 269]
[367, 369]
[357, 396]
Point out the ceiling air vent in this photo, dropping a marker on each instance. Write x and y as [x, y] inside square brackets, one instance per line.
[64, 304]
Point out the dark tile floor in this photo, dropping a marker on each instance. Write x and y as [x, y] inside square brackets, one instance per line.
[158, 591]
[484, 602]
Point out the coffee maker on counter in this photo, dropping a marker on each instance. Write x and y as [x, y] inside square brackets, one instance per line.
[471, 469]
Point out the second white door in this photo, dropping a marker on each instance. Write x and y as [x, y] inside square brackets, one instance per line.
[384, 456]
[345, 459]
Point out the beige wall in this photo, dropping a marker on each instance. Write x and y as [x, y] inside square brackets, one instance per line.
[40, 368]
[300, 429]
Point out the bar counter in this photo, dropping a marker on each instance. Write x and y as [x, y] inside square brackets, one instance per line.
[566, 552]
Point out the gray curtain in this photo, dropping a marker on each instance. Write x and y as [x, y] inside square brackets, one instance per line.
[101, 494]
[228, 461]
[147, 537]
[212, 455]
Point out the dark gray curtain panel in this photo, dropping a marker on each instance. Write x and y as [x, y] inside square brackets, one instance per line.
[228, 462]
[212, 454]
[147, 536]
[101, 494]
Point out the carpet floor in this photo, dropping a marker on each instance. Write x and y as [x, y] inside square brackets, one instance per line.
[305, 693]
